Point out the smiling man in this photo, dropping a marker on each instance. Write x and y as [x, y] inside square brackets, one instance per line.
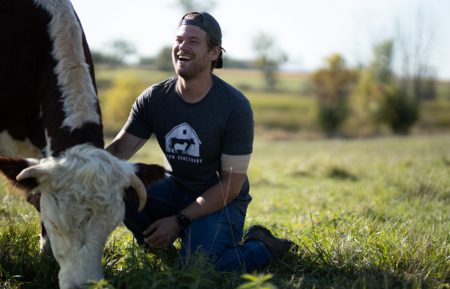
[205, 128]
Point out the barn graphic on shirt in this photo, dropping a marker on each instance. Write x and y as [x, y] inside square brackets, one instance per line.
[183, 140]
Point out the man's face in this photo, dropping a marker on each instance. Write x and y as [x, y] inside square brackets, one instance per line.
[190, 55]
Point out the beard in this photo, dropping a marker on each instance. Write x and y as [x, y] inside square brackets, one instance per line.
[192, 69]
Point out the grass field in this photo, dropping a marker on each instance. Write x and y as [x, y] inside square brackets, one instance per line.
[371, 213]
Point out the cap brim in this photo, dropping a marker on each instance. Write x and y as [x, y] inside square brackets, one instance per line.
[219, 62]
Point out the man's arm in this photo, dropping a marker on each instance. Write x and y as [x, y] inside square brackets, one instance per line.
[217, 196]
[125, 145]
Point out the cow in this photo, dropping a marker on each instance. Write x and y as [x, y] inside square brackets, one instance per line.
[182, 146]
[51, 135]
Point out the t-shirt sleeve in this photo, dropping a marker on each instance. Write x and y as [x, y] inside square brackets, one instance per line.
[238, 136]
[139, 121]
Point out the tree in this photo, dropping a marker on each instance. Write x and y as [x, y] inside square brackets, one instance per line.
[381, 66]
[268, 59]
[100, 57]
[332, 88]
[367, 97]
[122, 49]
[378, 97]
[163, 60]
[414, 48]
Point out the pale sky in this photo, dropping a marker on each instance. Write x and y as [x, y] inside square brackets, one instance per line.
[307, 31]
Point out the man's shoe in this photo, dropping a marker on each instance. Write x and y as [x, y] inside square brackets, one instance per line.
[276, 246]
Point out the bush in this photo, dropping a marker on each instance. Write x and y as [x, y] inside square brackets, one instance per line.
[399, 110]
[331, 116]
[331, 86]
[118, 99]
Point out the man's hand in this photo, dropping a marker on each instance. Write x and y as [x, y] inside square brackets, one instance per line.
[162, 232]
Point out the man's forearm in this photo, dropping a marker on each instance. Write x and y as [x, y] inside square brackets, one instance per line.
[216, 197]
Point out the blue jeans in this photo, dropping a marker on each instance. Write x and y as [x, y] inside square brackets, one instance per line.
[218, 235]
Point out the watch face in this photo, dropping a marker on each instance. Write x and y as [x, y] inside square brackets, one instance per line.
[183, 220]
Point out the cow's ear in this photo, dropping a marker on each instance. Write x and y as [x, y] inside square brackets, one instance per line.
[12, 167]
[149, 173]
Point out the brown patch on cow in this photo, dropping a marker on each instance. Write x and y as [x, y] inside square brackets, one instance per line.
[31, 104]
[11, 167]
[65, 138]
[24, 70]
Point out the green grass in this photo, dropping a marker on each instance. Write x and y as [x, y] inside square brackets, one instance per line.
[105, 74]
[435, 114]
[368, 213]
[283, 111]
[253, 80]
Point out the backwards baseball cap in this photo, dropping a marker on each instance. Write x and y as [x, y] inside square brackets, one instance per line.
[208, 24]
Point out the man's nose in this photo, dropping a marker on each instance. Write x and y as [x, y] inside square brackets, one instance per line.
[183, 44]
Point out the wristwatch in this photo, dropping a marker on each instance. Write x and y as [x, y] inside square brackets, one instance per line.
[183, 220]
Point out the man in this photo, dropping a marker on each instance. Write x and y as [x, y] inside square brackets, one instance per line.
[205, 128]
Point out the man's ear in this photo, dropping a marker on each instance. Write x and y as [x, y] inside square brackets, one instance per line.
[12, 167]
[215, 53]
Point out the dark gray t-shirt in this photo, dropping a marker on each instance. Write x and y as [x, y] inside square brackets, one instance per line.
[193, 136]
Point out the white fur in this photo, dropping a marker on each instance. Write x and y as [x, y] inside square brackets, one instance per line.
[12, 147]
[81, 204]
[48, 146]
[79, 97]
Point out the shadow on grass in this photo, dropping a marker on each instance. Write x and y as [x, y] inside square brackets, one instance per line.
[299, 271]
[128, 266]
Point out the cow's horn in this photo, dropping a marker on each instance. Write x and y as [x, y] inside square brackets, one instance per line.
[139, 187]
[32, 162]
[31, 172]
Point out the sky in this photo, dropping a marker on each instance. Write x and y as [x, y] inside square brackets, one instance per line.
[307, 31]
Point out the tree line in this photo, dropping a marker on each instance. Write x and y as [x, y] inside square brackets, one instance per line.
[372, 94]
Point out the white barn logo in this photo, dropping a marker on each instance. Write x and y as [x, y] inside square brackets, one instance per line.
[183, 140]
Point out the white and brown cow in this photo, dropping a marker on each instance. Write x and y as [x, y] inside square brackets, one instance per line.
[51, 135]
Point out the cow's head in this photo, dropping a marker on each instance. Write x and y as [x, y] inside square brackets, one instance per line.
[82, 202]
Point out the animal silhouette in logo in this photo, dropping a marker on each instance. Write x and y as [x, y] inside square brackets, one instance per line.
[179, 145]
